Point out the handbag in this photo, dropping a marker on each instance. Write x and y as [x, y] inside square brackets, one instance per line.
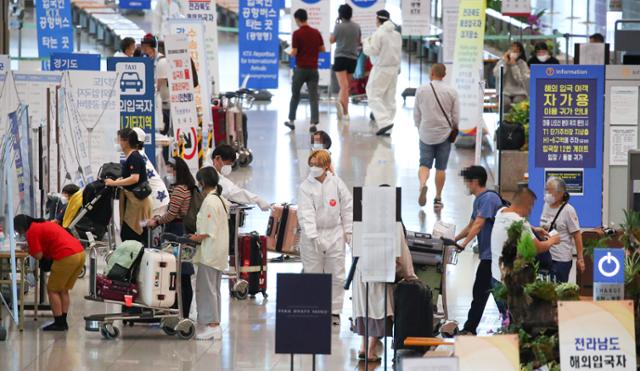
[510, 136]
[142, 190]
[454, 130]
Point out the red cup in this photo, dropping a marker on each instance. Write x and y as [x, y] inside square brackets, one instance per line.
[128, 300]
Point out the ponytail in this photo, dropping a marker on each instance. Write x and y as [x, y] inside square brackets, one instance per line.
[219, 189]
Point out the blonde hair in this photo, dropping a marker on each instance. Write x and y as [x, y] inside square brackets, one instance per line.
[323, 157]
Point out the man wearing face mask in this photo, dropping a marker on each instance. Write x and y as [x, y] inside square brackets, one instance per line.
[223, 158]
[542, 55]
[325, 215]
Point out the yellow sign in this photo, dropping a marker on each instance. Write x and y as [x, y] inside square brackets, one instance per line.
[499, 352]
[597, 335]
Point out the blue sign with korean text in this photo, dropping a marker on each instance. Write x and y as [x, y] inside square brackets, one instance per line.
[324, 61]
[565, 134]
[608, 266]
[74, 61]
[258, 43]
[137, 104]
[134, 4]
[54, 27]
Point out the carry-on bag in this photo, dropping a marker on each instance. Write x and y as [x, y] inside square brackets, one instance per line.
[253, 262]
[108, 289]
[283, 232]
[412, 312]
[510, 136]
[424, 249]
[124, 260]
[157, 279]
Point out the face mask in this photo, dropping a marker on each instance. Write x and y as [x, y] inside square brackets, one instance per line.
[63, 200]
[514, 56]
[315, 172]
[226, 170]
[171, 179]
[317, 146]
[549, 199]
[543, 58]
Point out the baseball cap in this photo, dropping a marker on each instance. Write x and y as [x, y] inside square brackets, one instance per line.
[140, 134]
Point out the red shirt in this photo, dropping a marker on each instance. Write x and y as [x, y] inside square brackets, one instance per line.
[307, 41]
[53, 241]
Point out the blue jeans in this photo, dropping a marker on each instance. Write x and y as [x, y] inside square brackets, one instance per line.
[438, 152]
[561, 270]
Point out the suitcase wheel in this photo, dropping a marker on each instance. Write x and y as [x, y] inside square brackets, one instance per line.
[186, 329]
[240, 290]
[109, 331]
[245, 158]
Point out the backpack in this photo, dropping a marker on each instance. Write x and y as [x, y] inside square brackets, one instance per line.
[510, 136]
[123, 262]
[189, 220]
[505, 203]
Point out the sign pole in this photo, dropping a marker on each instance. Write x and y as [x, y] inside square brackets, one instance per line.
[313, 362]
[291, 361]
[385, 326]
[366, 325]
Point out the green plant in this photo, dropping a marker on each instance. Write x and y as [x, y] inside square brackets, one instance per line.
[499, 292]
[631, 267]
[631, 230]
[542, 290]
[590, 245]
[568, 291]
[526, 248]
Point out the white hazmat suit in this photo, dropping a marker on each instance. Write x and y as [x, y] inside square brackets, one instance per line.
[325, 215]
[384, 48]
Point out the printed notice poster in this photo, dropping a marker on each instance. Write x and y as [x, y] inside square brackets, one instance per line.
[205, 11]
[573, 178]
[566, 132]
[450, 21]
[54, 27]
[624, 105]
[623, 139]
[416, 15]
[498, 352]
[303, 307]
[184, 113]
[259, 46]
[364, 14]
[607, 343]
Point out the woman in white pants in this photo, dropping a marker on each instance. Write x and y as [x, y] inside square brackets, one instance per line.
[325, 214]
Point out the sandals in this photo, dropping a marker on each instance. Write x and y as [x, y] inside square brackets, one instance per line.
[422, 199]
[437, 203]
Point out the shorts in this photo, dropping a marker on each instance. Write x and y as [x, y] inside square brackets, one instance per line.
[438, 152]
[345, 64]
[65, 272]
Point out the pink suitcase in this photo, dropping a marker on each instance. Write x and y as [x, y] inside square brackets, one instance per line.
[283, 232]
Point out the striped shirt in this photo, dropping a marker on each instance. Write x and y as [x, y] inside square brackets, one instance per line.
[180, 197]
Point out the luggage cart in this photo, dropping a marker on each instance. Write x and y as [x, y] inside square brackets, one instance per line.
[230, 122]
[171, 320]
[240, 289]
[444, 325]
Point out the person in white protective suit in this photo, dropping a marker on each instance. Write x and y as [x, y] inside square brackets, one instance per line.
[325, 214]
[384, 48]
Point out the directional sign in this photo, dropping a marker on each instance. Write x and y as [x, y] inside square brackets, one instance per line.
[608, 274]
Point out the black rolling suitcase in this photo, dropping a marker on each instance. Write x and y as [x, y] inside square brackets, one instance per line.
[425, 250]
[412, 312]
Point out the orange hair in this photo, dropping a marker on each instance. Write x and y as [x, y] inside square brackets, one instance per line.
[323, 158]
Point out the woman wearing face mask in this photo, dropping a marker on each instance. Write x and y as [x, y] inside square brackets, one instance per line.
[325, 214]
[515, 81]
[542, 55]
[559, 216]
[320, 140]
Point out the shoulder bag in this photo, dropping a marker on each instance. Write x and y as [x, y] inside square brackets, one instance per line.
[454, 131]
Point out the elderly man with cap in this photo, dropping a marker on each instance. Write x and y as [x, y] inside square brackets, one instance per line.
[385, 48]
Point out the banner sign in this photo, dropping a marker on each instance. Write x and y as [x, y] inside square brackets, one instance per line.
[137, 103]
[303, 302]
[416, 15]
[467, 65]
[134, 4]
[184, 114]
[19, 126]
[516, 8]
[607, 342]
[54, 27]
[259, 44]
[205, 11]
[74, 61]
[364, 14]
[497, 352]
[319, 13]
[450, 10]
[566, 132]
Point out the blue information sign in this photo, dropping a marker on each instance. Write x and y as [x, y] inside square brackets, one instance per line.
[137, 104]
[134, 4]
[258, 43]
[54, 27]
[324, 61]
[565, 135]
[608, 265]
[74, 61]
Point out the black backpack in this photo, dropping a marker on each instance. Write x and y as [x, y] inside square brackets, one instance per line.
[189, 221]
[510, 136]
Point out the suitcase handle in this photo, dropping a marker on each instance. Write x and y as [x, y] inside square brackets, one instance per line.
[172, 281]
[423, 235]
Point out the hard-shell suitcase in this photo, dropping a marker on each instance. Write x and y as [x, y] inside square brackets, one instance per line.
[424, 249]
[114, 290]
[412, 312]
[253, 262]
[157, 279]
[283, 232]
[229, 125]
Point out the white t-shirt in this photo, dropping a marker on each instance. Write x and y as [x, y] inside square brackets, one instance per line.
[566, 224]
[499, 236]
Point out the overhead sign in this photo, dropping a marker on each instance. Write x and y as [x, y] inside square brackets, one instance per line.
[319, 13]
[497, 352]
[607, 342]
[516, 8]
[74, 61]
[184, 114]
[137, 103]
[259, 44]
[134, 4]
[205, 11]
[566, 132]
[54, 27]
[416, 15]
[364, 14]
[303, 307]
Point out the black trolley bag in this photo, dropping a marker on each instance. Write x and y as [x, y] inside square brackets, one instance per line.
[412, 313]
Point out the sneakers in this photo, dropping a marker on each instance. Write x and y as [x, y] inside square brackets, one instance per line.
[385, 131]
[346, 118]
[209, 333]
[290, 125]
[422, 199]
[339, 110]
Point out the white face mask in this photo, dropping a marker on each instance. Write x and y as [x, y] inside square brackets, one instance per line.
[63, 200]
[549, 199]
[317, 146]
[315, 172]
[514, 56]
[171, 179]
[543, 58]
[226, 170]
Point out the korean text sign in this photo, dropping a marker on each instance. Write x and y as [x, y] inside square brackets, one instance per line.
[74, 61]
[137, 104]
[259, 44]
[54, 26]
[416, 15]
[607, 343]
[364, 14]
[565, 133]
